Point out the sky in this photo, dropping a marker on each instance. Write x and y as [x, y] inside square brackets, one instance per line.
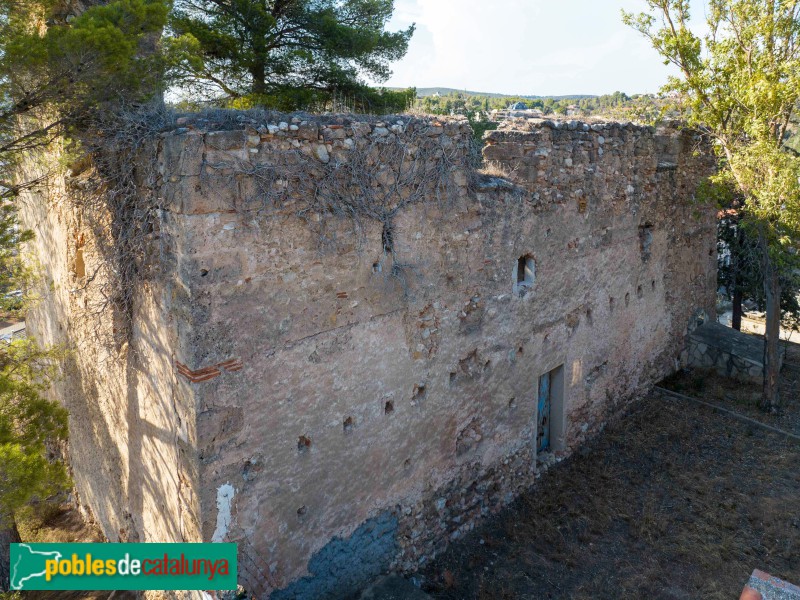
[527, 47]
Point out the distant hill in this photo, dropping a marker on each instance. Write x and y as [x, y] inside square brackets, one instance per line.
[443, 91]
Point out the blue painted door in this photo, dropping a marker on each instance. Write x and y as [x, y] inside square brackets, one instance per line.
[543, 429]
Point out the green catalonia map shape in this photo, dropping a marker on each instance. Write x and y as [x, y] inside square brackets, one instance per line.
[27, 564]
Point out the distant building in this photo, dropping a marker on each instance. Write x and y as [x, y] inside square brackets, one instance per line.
[513, 113]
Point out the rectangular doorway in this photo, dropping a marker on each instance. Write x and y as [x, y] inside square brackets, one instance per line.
[550, 411]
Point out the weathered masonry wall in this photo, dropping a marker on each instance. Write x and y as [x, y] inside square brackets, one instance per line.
[131, 418]
[360, 324]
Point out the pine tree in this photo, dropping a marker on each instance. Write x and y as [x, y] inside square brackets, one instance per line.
[57, 72]
[282, 53]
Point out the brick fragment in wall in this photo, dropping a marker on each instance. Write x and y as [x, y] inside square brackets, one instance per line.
[208, 373]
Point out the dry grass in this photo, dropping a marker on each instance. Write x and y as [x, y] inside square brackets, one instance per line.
[673, 501]
[58, 523]
[495, 168]
[55, 523]
[744, 397]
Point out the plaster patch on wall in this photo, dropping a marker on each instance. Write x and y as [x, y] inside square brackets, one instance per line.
[224, 502]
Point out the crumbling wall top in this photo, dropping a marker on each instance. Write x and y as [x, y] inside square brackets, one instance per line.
[301, 124]
[597, 124]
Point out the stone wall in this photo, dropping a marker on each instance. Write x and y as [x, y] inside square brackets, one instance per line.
[729, 352]
[359, 322]
[131, 418]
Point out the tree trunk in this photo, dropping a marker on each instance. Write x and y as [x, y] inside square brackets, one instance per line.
[258, 72]
[736, 259]
[770, 400]
[7, 536]
[736, 319]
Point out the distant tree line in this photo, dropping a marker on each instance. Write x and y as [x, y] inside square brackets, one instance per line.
[616, 104]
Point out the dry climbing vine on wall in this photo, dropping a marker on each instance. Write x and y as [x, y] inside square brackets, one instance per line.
[114, 195]
[367, 173]
[370, 176]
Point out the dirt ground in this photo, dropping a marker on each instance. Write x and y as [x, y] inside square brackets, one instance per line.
[744, 397]
[673, 501]
[55, 523]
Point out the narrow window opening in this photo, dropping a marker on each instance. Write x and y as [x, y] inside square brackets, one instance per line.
[525, 275]
[645, 240]
[388, 408]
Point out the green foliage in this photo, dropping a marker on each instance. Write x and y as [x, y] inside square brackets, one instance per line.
[13, 271]
[58, 75]
[384, 102]
[360, 99]
[87, 59]
[107, 40]
[285, 54]
[618, 105]
[58, 72]
[29, 425]
[480, 124]
[740, 266]
[739, 254]
[740, 82]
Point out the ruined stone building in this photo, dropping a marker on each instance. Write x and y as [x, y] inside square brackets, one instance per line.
[348, 346]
